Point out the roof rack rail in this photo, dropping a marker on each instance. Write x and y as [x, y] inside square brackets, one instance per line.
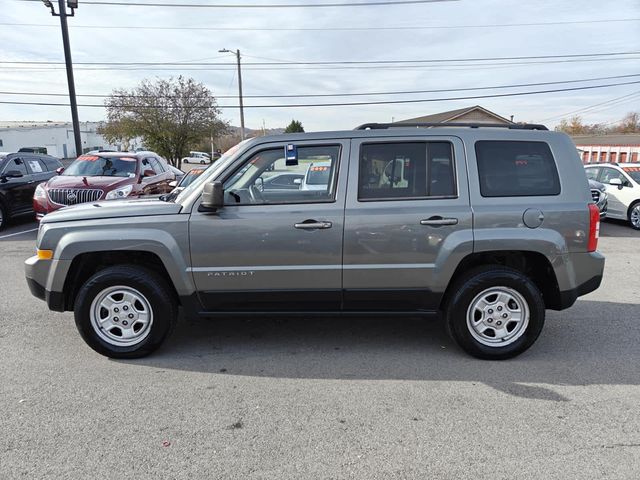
[515, 126]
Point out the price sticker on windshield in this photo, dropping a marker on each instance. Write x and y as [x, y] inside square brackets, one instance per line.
[291, 155]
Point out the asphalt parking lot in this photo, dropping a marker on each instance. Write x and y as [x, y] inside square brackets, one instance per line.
[323, 398]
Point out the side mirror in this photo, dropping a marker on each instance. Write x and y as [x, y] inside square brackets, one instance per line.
[616, 182]
[148, 173]
[12, 174]
[60, 170]
[212, 196]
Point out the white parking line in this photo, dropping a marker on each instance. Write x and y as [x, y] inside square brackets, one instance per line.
[18, 233]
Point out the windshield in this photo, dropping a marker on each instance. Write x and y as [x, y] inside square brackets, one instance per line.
[191, 176]
[228, 156]
[94, 166]
[633, 172]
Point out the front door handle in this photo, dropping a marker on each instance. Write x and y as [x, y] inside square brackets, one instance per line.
[313, 225]
[439, 221]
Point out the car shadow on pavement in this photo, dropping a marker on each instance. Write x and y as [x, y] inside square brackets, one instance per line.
[597, 343]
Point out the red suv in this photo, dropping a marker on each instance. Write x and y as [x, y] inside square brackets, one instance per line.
[104, 176]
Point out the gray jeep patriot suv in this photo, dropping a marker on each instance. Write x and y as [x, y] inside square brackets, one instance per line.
[487, 225]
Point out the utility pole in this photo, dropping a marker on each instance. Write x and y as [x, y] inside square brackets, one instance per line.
[62, 13]
[237, 54]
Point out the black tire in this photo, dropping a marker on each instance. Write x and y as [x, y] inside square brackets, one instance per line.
[477, 281]
[633, 205]
[160, 297]
[4, 216]
[202, 162]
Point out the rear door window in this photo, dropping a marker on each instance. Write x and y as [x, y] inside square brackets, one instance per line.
[516, 169]
[406, 170]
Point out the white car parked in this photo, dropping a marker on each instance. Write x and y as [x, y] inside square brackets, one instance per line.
[622, 181]
[197, 157]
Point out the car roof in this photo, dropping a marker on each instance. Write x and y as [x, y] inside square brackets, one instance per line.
[124, 154]
[611, 164]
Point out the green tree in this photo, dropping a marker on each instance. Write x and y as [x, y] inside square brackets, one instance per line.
[294, 127]
[169, 115]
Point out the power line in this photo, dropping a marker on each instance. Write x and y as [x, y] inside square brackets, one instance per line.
[379, 3]
[410, 67]
[334, 62]
[328, 28]
[381, 102]
[356, 94]
[607, 104]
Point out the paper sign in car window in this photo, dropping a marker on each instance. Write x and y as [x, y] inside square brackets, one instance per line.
[35, 166]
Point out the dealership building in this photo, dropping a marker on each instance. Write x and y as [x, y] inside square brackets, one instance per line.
[56, 137]
[621, 148]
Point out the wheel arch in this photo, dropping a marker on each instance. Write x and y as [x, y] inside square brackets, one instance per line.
[84, 265]
[533, 264]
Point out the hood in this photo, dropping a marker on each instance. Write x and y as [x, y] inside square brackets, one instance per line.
[597, 185]
[113, 209]
[103, 183]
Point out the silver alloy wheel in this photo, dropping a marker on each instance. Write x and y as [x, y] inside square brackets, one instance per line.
[498, 316]
[121, 316]
[635, 216]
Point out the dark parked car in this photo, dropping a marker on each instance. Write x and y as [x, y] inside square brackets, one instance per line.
[600, 196]
[104, 176]
[20, 174]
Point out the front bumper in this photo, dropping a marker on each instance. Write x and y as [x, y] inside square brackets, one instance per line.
[36, 273]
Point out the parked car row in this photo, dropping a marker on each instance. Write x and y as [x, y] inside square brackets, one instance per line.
[622, 187]
[35, 182]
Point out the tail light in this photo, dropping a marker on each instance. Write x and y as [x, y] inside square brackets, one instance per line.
[594, 228]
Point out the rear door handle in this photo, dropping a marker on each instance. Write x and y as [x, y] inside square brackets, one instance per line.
[313, 225]
[439, 221]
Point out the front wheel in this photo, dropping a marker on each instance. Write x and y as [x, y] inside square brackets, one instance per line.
[495, 313]
[634, 215]
[125, 311]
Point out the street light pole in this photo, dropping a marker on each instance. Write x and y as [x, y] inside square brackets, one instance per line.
[241, 101]
[62, 13]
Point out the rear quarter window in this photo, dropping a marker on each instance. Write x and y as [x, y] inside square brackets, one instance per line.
[516, 169]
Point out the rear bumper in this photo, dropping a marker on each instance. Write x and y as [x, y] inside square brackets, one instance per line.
[588, 269]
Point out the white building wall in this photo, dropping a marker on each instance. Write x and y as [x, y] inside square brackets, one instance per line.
[56, 138]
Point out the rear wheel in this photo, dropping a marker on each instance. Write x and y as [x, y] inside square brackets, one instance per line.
[634, 215]
[495, 313]
[125, 311]
[3, 216]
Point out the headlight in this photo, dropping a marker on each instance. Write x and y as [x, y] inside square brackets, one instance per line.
[119, 193]
[40, 192]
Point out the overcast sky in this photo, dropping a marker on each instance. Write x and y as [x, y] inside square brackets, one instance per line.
[467, 40]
